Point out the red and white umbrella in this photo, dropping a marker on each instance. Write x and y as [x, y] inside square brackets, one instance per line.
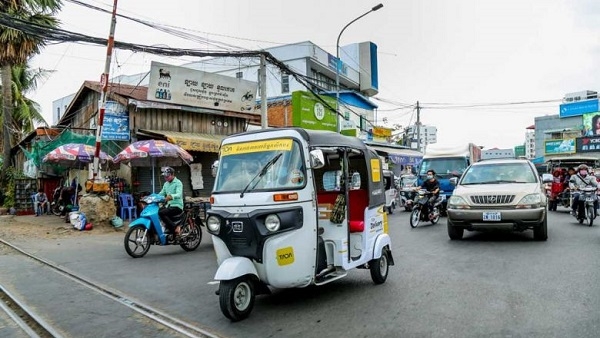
[75, 155]
[152, 148]
[145, 153]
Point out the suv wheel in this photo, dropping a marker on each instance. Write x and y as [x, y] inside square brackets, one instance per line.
[454, 232]
[540, 233]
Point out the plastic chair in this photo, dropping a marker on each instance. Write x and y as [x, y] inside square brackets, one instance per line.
[127, 206]
[37, 206]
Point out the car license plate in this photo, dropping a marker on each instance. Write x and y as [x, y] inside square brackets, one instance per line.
[492, 216]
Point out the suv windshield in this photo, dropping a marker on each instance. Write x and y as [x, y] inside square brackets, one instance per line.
[499, 173]
[241, 163]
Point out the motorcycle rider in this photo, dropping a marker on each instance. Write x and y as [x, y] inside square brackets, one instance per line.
[432, 185]
[173, 192]
[579, 181]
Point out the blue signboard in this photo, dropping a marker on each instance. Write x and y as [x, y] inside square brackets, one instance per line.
[405, 159]
[538, 160]
[116, 127]
[578, 108]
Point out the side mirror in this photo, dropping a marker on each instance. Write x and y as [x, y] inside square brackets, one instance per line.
[454, 180]
[317, 159]
[214, 168]
[547, 178]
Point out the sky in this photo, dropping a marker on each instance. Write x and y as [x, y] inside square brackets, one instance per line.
[455, 57]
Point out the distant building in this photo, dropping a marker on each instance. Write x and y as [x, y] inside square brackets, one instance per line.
[497, 153]
[530, 142]
[59, 107]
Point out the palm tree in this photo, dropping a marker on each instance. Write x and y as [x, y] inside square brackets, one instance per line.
[17, 47]
[26, 113]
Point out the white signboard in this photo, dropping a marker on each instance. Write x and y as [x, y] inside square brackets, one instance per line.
[184, 86]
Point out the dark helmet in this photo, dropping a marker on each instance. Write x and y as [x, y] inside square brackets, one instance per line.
[582, 167]
[167, 171]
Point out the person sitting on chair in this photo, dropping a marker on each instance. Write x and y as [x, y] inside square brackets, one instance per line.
[41, 202]
[173, 192]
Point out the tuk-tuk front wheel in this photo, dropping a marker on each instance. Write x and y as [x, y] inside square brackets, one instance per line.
[380, 267]
[236, 298]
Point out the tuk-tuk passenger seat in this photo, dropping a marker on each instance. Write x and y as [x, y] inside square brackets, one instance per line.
[358, 200]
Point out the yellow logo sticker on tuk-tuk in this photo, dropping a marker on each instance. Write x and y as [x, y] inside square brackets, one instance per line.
[285, 256]
[375, 169]
[256, 146]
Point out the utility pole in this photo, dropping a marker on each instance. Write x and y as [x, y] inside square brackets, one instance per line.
[264, 119]
[418, 127]
[104, 81]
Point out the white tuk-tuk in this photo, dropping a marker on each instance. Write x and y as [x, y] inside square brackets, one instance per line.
[292, 208]
[391, 194]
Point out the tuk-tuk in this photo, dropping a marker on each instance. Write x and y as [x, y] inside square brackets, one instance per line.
[408, 194]
[391, 194]
[291, 208]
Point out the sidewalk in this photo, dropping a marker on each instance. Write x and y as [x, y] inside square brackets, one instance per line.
[51, 225]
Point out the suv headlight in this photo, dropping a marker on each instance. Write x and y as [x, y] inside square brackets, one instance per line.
[457, 202]
[213, 224]
[530, 201]
[272, 222]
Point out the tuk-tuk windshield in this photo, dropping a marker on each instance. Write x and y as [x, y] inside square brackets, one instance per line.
[408, 181]
[260, 165]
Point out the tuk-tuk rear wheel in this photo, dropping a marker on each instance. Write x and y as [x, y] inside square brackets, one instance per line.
[236, 298]
[380, 267]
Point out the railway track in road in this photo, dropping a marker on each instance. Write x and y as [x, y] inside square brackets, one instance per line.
[36, 327]
[26, 320]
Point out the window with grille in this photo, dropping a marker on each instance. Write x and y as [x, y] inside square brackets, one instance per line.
[285, 83]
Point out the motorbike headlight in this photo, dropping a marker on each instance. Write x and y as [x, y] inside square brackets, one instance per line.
[530, 201]
[272, 222]
[213, 224]
[457, 202]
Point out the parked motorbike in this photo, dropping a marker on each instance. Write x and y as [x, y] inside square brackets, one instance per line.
[586, 209]
[423, 211]
[148, 229]
[57, 206]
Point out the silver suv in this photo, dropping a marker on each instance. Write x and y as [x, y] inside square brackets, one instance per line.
[498, 194]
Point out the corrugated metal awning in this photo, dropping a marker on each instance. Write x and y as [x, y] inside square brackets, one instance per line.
[188, 141]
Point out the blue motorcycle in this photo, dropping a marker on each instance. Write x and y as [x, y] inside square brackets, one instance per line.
[148, 229]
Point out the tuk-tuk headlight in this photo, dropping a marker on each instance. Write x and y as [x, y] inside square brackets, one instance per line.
[213, 223]
[272, 222]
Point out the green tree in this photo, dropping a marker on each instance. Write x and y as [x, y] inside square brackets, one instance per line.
[17, 47]
[26, 113]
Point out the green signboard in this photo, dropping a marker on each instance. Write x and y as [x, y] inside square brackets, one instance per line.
[566, 146]
[312, 113]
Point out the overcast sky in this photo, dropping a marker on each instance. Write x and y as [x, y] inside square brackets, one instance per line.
[437, 52]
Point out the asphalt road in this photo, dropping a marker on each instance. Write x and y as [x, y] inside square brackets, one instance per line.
[486, 285]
